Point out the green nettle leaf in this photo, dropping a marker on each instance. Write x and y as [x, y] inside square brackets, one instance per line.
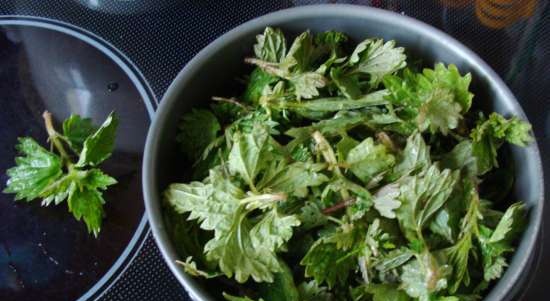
[492, 255]
[100, 144]
[323, 147]
[367, 159]
[403, 91]
[345, 236]
[273, 230]
[87, 203]
[312, 291]
[297, 60]
[343, 147]
[198, 129]
[332, 62]
[394, 259]
[244, 157]
[248, 122]
[306, 85]
[76, 129]
[97, 179]
[213, 204]
[326, 263]
[244, 253]
[299, 55]
[240, 248]
[188, 197]
[386, 200]
[228, 112]
[442, 182]
[484, 150]
[34, 171]
[495, 243]
[376, 58]
[517, 132]
[422, 196]
[458, 255]
[495, 269]
[461, 158]
[505, 229]
[415, 157]
[331, 39]
[257, 83]
[433, 100]
[293, 178]
[450, 78]
[59, 190]
[328, 127]
[329, 43]
[489, 135]
[441, 225]
[423, 276]
[347, 84]
[319, 107]
[188, 239]
[271, 45]
[84, 198]
[301, 153]
[238, 257]
[311, 216]
[439, 112]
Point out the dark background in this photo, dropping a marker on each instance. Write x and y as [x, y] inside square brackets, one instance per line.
[161, 36]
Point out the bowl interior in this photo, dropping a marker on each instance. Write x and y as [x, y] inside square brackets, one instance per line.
[214, 70]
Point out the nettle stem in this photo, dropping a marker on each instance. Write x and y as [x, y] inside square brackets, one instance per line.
[53, 136]
[342, 204]
[268, 67]
[231, 100]
[323, 146]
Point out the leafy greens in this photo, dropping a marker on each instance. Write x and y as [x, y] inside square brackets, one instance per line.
[54, 176]
[344, 174]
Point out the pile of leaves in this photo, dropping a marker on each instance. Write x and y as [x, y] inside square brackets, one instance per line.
[345, 173]
[68, 171]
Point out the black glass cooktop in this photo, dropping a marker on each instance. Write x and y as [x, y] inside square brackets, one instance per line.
[45, 254]
[92, 56]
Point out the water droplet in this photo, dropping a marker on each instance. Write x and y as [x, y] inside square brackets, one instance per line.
[111, 87]
[15, 271]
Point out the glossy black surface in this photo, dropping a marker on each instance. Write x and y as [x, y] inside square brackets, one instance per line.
[45, 254]
[160, 37]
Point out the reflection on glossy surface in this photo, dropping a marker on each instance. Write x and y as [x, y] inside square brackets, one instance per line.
[124, 7]
[44, 253]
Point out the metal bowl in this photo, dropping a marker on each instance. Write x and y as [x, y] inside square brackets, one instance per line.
[216, 66]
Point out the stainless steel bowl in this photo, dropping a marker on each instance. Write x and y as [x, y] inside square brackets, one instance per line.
[218, 64]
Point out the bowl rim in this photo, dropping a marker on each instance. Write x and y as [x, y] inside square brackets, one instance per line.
[152, 199]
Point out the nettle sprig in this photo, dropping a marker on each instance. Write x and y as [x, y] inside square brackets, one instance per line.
[68, 170]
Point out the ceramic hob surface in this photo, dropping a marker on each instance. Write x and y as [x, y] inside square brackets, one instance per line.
[93, 56]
